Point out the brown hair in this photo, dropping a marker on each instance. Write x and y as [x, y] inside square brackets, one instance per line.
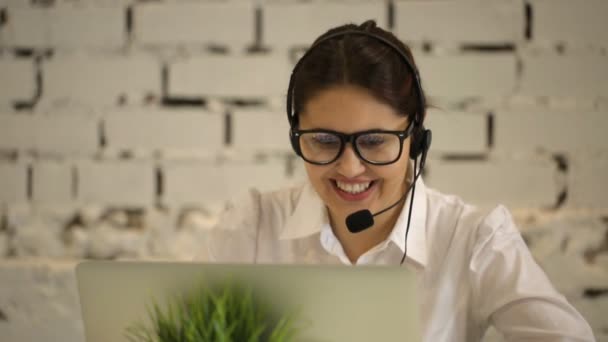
[362, 61]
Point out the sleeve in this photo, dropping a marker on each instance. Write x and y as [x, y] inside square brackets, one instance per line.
[513, 293]
[234, 238]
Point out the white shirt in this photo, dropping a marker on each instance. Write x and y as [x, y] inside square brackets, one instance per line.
[474, 267]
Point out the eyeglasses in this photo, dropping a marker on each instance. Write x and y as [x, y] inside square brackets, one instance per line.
[377, 147]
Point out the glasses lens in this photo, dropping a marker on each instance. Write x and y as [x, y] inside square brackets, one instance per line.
[379, 147]
[320, 147]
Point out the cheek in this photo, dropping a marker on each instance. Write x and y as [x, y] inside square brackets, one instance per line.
[315, 173]
[393, 175]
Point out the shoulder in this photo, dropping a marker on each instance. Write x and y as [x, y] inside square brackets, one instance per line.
[479, 233]
[252, 205]
[453, 221]
[234, 237]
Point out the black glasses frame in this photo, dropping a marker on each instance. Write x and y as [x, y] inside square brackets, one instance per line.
[351, 138]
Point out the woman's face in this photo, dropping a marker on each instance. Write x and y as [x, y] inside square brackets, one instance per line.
[349, 184]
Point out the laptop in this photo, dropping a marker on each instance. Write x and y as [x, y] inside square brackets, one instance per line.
[328, 303]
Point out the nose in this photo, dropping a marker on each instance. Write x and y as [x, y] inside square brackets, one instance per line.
[349, 165]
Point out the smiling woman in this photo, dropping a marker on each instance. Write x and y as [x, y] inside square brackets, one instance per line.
[356, 109]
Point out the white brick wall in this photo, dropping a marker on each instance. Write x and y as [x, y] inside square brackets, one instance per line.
[203, 183]
[253, 76]
[67, 27]
[164, 130]
[577, 75]
[40, 283]
[574, 22]
[255, 130]
[571, 131]
[59, 134]
[457, 132]
[88, 27]
[516, 184]
[14, 131]
[588, 183]
[468, 75]
[289, 24]
[229, 23]
[468, 21]
[100, 80]
[18, 80]
[27, 27]
[116, 183]
[52, 183]
[13, 183]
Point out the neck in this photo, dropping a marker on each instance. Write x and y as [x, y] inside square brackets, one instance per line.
[356, 244]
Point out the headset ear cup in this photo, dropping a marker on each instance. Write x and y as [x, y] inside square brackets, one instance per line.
[295, 144]
[421, 142]
[415, 147]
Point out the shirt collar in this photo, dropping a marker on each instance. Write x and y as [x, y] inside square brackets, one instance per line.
[310, 214]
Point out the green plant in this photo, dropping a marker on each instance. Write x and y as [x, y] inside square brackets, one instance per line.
[226, 313]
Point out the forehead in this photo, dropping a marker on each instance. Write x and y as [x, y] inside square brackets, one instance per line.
[349, 109]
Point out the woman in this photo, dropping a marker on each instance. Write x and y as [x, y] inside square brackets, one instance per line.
[356, 110]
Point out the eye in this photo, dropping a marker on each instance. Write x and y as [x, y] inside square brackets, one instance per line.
[371, 140]
[326, 139]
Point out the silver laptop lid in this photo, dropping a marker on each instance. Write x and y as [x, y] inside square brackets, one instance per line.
[333, 303]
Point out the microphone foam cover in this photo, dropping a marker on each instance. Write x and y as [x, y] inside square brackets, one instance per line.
[359, 221]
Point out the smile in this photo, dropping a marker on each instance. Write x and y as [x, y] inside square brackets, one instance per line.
[353, 188]
[353, 191]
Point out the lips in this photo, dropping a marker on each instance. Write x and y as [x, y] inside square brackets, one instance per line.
[353, 188]
[353, 191]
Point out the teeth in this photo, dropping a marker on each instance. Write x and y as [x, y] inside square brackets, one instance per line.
[353, 188]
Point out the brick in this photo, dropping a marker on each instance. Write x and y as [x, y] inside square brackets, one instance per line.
[200, 183]
[13, 182]
[564, 131]
[588, 183]
[27, 27]
[468, 75]
[100, 80]
[61, 133]
[570, 21]
[466, 21]
[602, 104]
[192, 23]
[116, 183]
[2, 26]
[67, 27]
[66, 134]
[518, 184]
[4, 246]
[19, 80]
[288, 24]
[88, 27]
[52, 182]
[457, 132]
[230, 76]
[15, 131]
[584, 75]
[260, 130]
[165, 130]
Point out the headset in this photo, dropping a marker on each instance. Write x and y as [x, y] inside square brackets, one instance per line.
[421, 137]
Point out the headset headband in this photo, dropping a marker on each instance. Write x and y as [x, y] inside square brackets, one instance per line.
[418, 117]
